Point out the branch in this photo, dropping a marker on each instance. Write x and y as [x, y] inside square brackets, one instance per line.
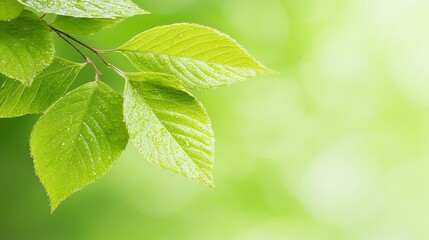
[87, 59]
[67, 37]
[94, 50]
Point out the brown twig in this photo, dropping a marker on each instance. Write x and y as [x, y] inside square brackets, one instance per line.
[87, 59]
[94, 50]
[67, 37]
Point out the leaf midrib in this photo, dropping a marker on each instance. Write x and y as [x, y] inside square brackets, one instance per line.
[82, 123]
[126, 51]
[207, 179]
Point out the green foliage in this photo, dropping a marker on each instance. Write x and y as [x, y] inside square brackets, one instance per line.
[82, 133]
[26, 47]
[87, 9]
[169, 126]
[78, 139]
[198, 56]
[17, 99]
[10, 9]
[83, 26]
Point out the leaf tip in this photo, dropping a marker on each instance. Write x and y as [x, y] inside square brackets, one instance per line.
[54, 203]
[212, 187]
[53, 208]
[264, 70]
[269, 71]
[208, 181]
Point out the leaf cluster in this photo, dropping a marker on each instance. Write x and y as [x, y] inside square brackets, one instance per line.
[82, 132]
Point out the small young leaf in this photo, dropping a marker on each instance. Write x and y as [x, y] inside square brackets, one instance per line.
[78, 139]
[87, 8]
[26, 47]
[169, 126]
[16, 99]
[199, 56]
[83, 26]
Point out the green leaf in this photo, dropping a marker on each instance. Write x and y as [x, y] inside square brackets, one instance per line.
[87, 8]
[26, 47]
[199, 56]
[83, 26]
[169, 126]
[10, 9]
[78, 139]
[16, 99]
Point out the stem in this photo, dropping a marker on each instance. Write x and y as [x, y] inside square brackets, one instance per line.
[87, 59]
[65, 36]
[97, 52]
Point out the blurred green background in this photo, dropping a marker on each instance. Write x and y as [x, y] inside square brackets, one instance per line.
[336, 147]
